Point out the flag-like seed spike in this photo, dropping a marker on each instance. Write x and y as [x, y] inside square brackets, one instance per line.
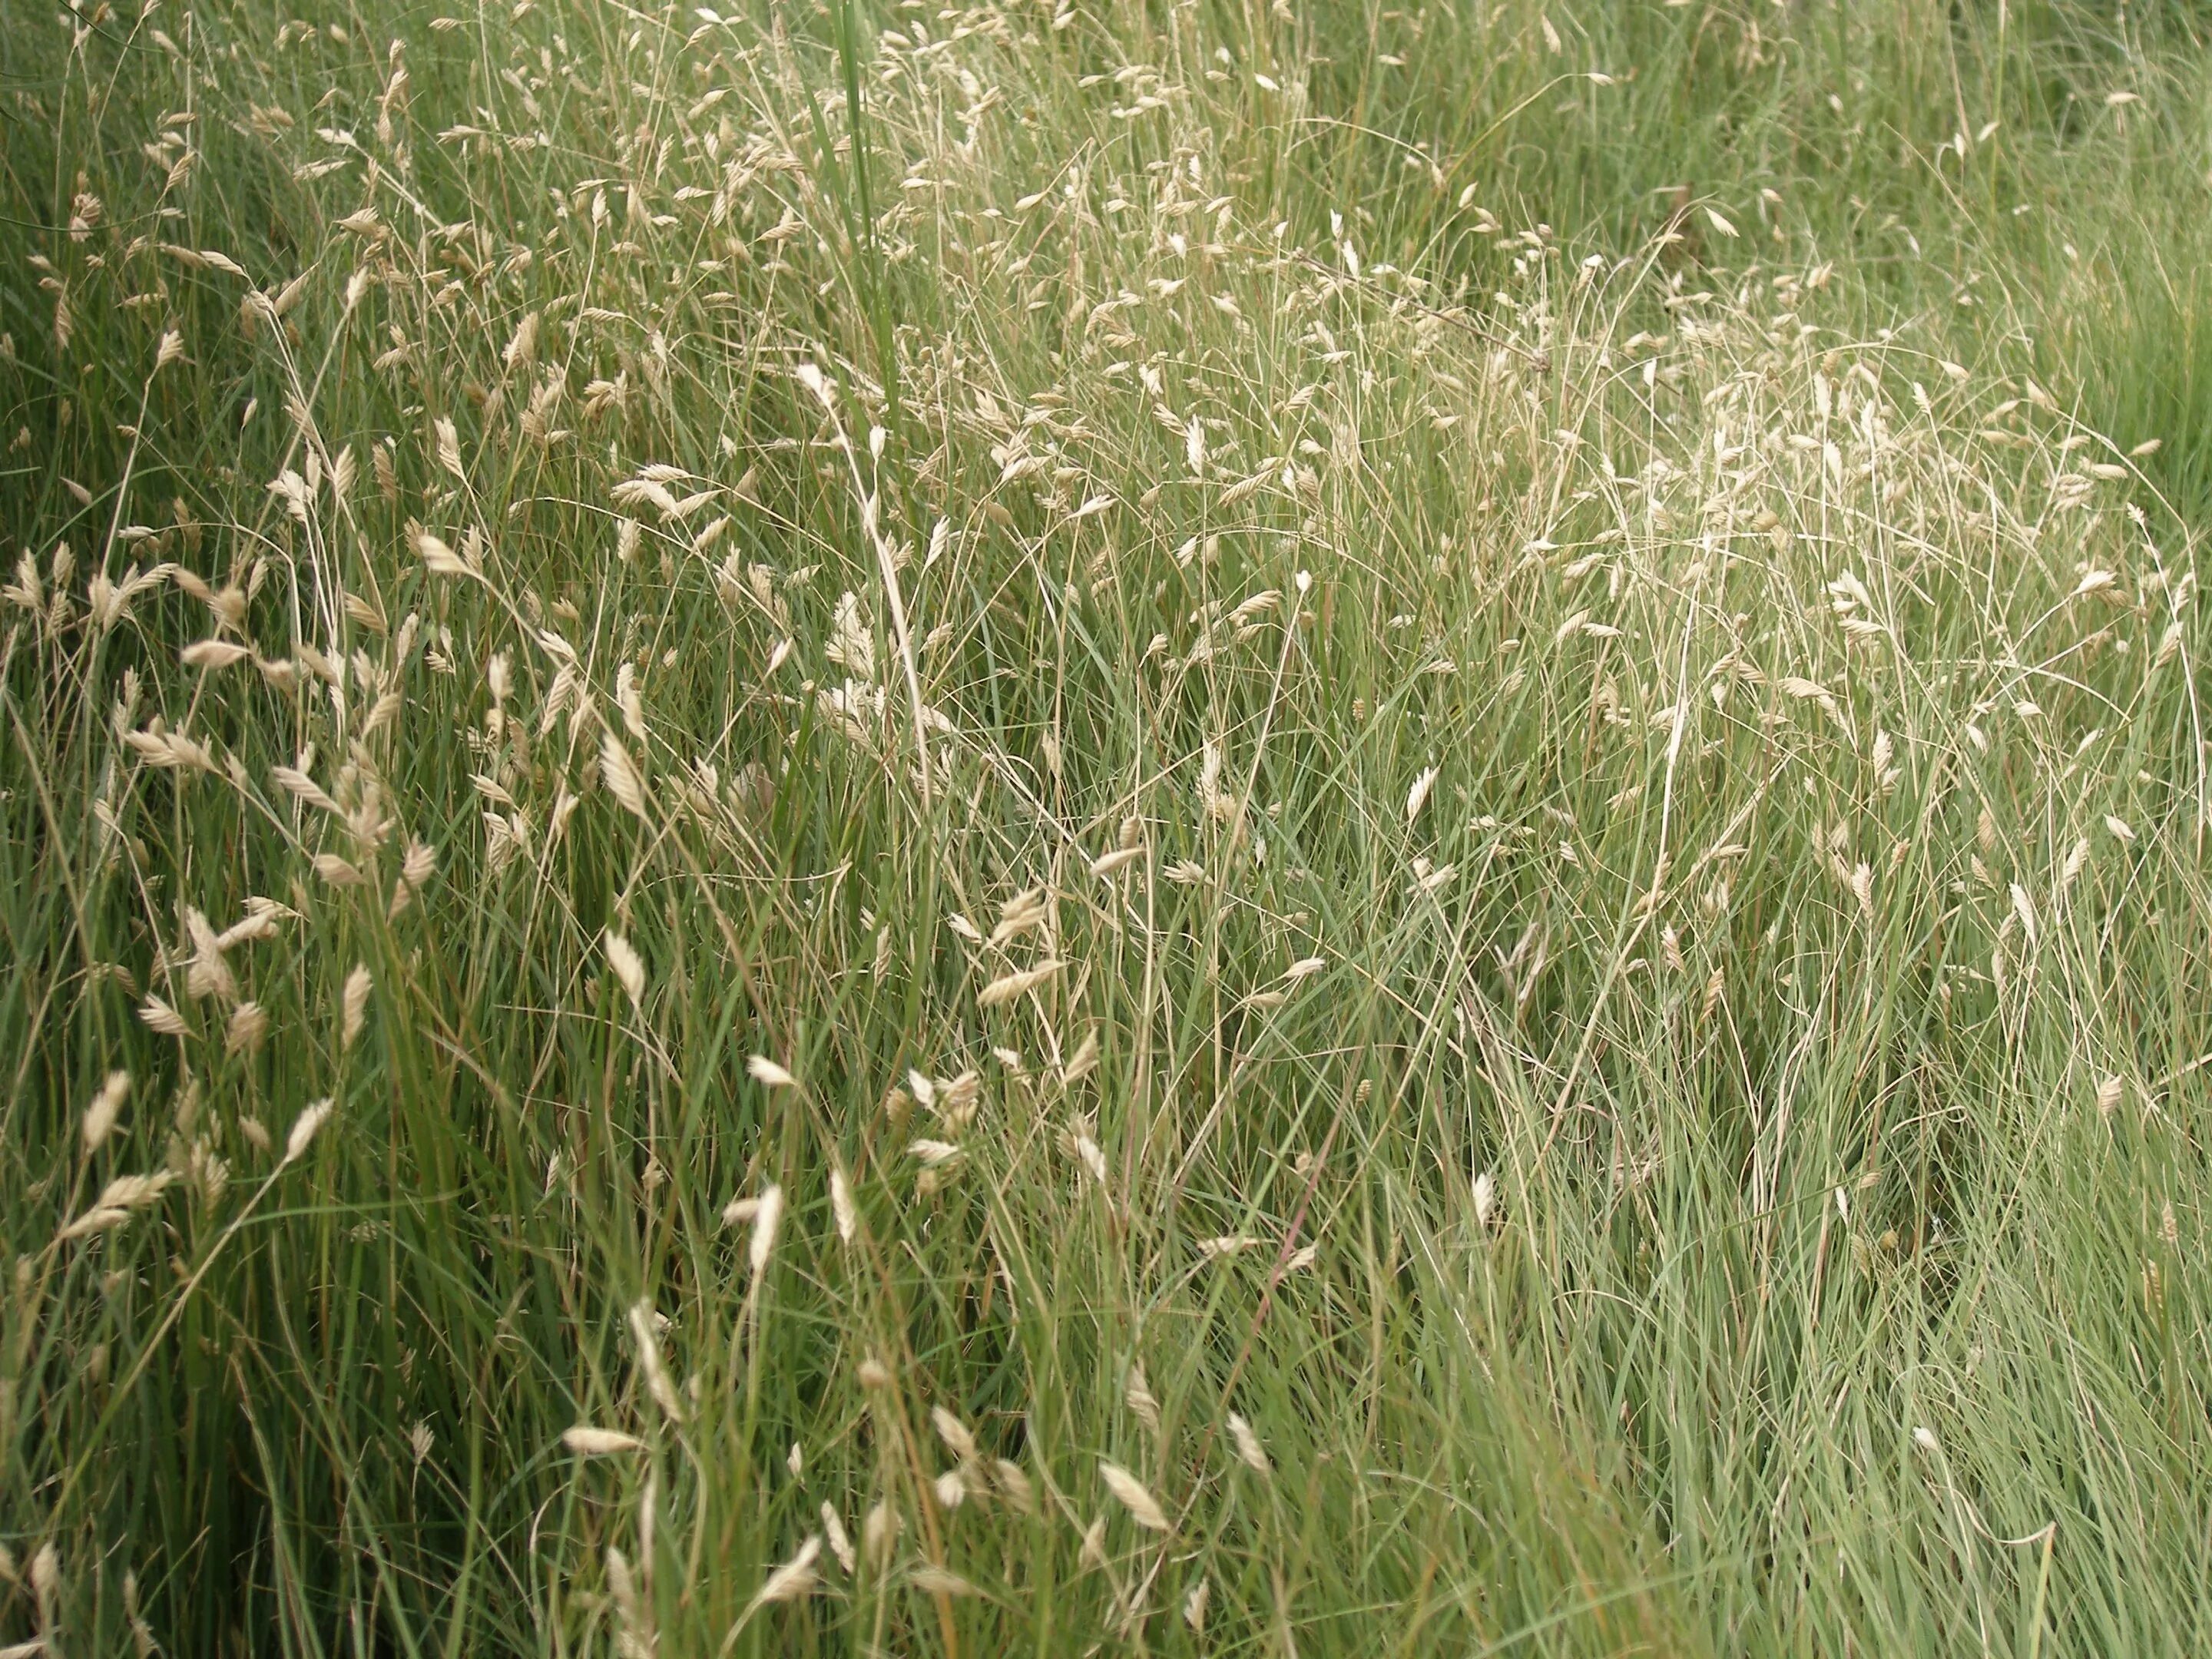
[1005, 989]
[1130, 1492]
[353, 1012]
[842, 1207]
[106, 1106]
[765, 1222]
[628, 966]
[953, 1432]
[303, 1129]
[795, 1578]
[1138, 1396]
[841, 1544]
[1249, 1450]
[1418, 797]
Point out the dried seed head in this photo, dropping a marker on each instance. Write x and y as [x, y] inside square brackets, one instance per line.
[1006, 989]
[354, 1006]
[1143, 1509]
[106, 1106]
[795, 1578]
[1138, 1397]
[1418, 797]
[644, 1326]
[1248, 1449]
[840, 1545]
[620, 774]
[764, 1226]
[1014, 1483]
[628, 969]
[587, 1442]
[953, 1432]
[842, 1205]
[304, 1127]
[879, 1532]
[1193, 1605]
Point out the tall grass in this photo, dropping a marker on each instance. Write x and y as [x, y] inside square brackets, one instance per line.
[1176, 827]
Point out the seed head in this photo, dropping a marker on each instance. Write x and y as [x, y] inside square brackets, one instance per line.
[106, 1106]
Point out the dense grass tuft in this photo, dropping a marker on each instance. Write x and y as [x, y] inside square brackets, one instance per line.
[1167, 827]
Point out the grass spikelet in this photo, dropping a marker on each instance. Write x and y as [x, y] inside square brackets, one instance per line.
[1008, 986]
[353, 1006]
[1248, 1449]
[795, 1578]
[1130, 1492]
[1418, 797]
[304, 1129]
[766, 1221]
[104, 1109]
[629, 967]
[645, 1334]
[769, 1075]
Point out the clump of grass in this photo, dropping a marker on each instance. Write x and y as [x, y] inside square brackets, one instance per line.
[946, 827]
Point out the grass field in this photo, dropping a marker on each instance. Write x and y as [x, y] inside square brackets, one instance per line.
[1270, 829]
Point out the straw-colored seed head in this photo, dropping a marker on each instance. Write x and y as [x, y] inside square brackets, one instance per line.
[1006, 989]
[1485, 1198]
[1248, 1449]
[354, 1006]
[1418, 797]
[953, 1432]
[795, 1578]
[106, 1106]
[1143, 1509]
[1138, 1396]
[879, 1530]
[619, 772]
[841, 1544]
[1013, 1484]
[842, 1205]
[304, 1127]
[628, 969]
[764, 1226]
[644, 1325]
[1193, 1605]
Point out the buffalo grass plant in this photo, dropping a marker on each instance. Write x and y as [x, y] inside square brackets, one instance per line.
[1062, 828]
